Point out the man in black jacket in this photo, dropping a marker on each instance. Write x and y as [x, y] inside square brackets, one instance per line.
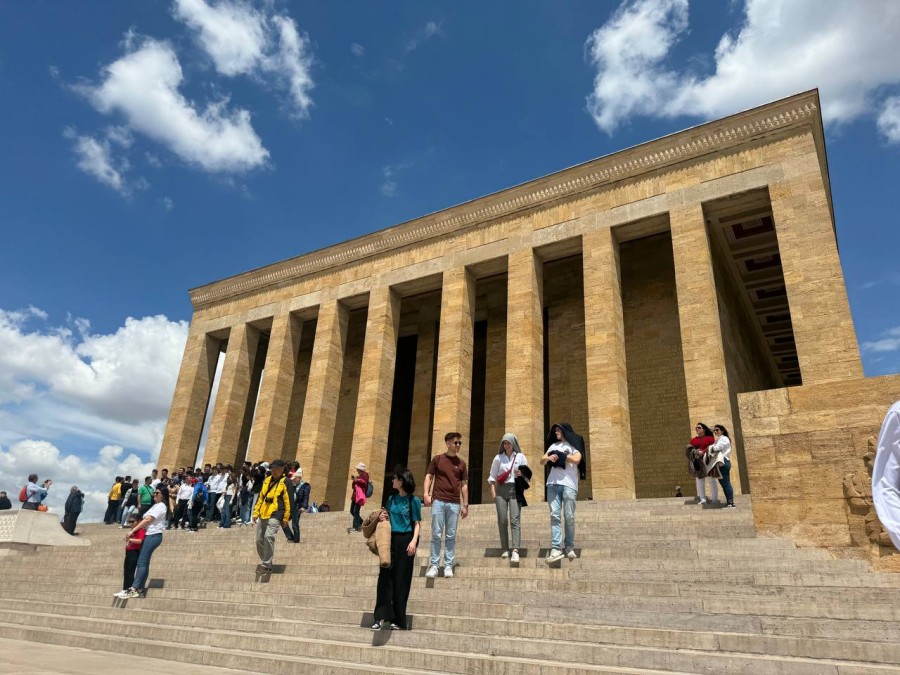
[74, 505]
[299, 494]
[5, 504]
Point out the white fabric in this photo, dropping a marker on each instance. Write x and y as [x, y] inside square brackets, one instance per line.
[714, 488]
[568, 476]
[185, 490]
[723, 447]
[502, 463]
[158, 513]
[217, 482]
[886, 475]
[154, 483]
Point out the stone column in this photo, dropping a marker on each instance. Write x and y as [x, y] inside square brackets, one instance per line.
[453, 391]
[376, 387]
[322, 393]
[705, 376]
[420, 425]
[611, 462]
[190, 401]
[820, 312]
[494, 398]
[230, 409]
[525, 360]
[273, 403]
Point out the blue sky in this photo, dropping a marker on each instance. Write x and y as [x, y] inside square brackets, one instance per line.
[150, 147]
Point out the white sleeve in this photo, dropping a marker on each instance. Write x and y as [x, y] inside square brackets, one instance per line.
[886, 475]
[495, 469]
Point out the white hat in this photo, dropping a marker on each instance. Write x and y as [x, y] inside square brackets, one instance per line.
[360, 467]
[265, 465]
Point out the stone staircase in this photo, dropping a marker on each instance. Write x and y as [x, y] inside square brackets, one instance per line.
[661, 586]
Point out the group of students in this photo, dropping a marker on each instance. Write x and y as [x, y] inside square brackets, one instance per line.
[709, 457]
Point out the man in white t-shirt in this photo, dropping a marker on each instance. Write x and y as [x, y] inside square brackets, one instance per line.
[563, 457]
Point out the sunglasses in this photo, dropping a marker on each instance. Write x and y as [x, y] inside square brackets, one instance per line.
[457, 442]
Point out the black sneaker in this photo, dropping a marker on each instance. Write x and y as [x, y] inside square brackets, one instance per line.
[395, 627]
[731, 505]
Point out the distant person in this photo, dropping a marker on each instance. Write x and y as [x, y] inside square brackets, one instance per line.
[359, 486]
[272, 510]
[405, 513]
[154, 522]
[5, 504]
[112, 502]
[678, 492]
[323, 507]
[299, 494]
[182, 499]
[721, 451]
[701, 442]
[564, 457]
[34, 493]
[447, 493]
[130, 503]
[145, 496]
[74, 506]
[505, 468]
[198, 503]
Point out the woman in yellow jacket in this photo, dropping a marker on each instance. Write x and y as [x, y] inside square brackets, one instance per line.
[272, 510]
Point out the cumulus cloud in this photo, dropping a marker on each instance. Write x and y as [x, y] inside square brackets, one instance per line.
[888, 342]
[421, 35]
[93, 475]
[889, 119]
[848, 50]
[94, 157]
[143, 86]
[112, 388]
[243, 40]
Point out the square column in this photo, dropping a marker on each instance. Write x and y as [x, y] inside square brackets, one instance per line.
[274, 401]
[188, 412]
[322, 393]
[230, 411]
[376, 387]
[494, 398]
[525, 361]
[420, 425]
[827, 349]
[611, 462]
[453, 391]
[705, 375]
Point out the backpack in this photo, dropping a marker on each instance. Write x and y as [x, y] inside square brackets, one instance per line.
[370, 489]
[23, 494]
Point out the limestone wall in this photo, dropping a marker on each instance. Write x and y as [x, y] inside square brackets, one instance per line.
[803, 446]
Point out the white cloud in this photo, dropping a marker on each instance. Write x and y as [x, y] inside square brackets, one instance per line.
[94, 157]
[243, 40]
[423, 34]
[889, 342]
[849, 51]
[357, 50]
[112, 388]
[93, 476]
[144, 85]
[168, 204]
[389, 171]
[889, 119]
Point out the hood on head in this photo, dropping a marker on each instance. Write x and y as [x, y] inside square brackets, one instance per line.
[512, 439]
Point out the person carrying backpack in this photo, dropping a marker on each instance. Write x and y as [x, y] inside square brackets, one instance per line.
[361, 489]
[33, 493]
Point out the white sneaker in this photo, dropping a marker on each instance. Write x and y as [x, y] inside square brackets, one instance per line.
[555, 555]
[448, 572]
[432, 572]
[571, 555]
[514, 557]
[504, 555]
[702, 502]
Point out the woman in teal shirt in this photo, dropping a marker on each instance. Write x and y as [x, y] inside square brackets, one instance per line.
[405, 512]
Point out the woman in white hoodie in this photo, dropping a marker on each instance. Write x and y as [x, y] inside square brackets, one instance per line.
[505, 468]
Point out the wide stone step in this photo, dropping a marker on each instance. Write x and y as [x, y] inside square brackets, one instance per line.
[468, 654]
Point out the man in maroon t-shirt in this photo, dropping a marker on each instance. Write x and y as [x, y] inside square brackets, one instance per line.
[447, 493]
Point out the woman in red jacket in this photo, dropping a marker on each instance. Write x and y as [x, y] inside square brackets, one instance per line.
[359, 484]
[703, 439]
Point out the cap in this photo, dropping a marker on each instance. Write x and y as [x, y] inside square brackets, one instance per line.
[360, 467]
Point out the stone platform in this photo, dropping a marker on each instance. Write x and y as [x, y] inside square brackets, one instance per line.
[661, 586]
[35, 528]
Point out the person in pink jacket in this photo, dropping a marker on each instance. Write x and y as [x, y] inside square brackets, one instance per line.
[360, 484]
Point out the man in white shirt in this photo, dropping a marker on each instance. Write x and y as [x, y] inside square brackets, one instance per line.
[563, 457]
[216, 486]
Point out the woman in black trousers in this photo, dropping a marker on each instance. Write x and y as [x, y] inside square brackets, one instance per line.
[405, 513]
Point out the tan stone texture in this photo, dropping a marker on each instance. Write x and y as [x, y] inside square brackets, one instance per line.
[314, 448]
[190, 401]
[453, 380]
[657, 399]
[705, 373]
[611, 462]
[373, 408]
[423, 391]
[298, 392]
[495, 397]
[525, 359]
[227, 430]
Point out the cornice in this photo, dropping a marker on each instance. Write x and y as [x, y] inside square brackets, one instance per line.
[661, 153]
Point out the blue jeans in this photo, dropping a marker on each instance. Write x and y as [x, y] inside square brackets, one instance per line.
[246, 508]
[225, 520]
[151, 542]
[562, 498]
[725, 481]
[444, 517]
